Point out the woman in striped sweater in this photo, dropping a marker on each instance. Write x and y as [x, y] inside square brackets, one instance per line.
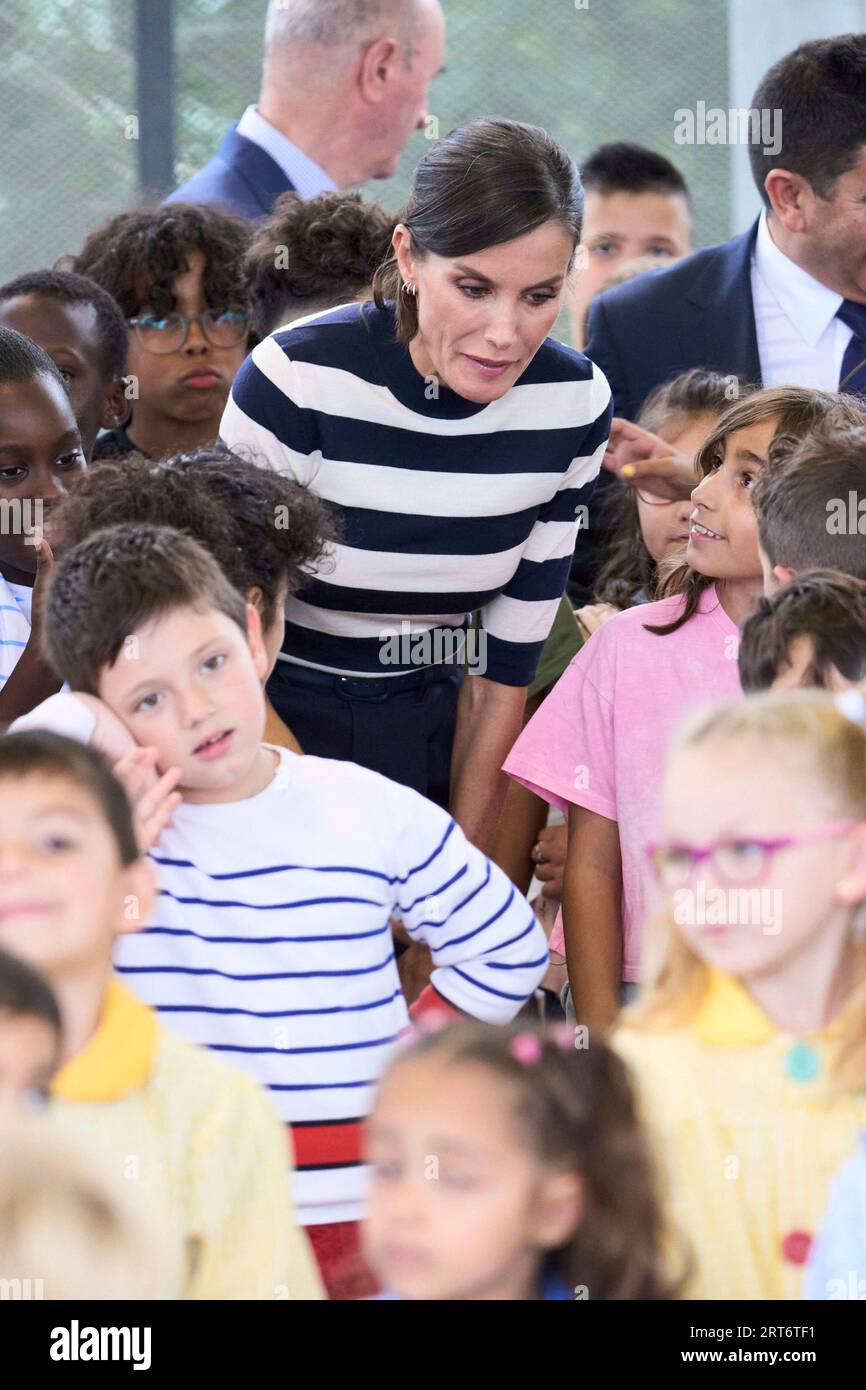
[458, 446]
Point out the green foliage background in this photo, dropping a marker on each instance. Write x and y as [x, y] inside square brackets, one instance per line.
[616, 69]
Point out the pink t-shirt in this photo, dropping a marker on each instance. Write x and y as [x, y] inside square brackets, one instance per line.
[599, 740]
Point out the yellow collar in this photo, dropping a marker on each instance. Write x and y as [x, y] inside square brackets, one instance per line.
[118, 1058]
[728, 1015]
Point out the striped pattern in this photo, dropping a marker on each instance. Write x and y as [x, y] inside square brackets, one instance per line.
[444, 506]
[271, 944]
[14, 630]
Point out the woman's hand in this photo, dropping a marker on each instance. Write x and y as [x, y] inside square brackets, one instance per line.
[643, 459]
[153, 799]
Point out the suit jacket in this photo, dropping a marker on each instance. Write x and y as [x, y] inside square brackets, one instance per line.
[697, 313]
[241, 177]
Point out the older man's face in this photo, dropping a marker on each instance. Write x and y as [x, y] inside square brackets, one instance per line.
[409, 107]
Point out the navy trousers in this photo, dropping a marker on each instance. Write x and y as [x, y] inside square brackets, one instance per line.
[401, 726]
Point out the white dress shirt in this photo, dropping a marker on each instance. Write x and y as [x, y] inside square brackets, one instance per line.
[303, 173]
[800, 340]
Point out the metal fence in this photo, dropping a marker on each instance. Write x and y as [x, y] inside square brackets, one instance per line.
[588, 70]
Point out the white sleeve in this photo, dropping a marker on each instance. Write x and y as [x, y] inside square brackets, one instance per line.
[61, 714]
[489, 949]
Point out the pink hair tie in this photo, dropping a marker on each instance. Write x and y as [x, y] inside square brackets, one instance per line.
[563, 1036]
[526, 1049]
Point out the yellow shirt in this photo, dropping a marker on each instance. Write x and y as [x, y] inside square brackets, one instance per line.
[201, 1139]
[748, 1138]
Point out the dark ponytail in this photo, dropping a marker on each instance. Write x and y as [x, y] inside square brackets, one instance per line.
[486, 183]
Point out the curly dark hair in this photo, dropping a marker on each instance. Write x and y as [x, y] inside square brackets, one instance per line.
[79, 289]
[575, 1110]
[333, 244]
[21, 359]
[230, 505]
[136, 256]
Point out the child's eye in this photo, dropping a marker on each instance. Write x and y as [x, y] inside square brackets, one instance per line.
[73, 460]
[154, 322]
[56, 844]
[459, 1182]
[386, 1170]
[214, 663]
[748, 480]
[148, 702]
[603, 249]
[65, 373]
[13, 475]
[716, 462]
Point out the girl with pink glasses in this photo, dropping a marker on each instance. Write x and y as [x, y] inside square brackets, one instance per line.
[748, 1042]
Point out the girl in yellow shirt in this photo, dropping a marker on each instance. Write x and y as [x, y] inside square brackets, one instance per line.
[749, 1040]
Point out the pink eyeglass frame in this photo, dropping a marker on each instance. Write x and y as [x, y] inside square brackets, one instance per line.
[770, 847]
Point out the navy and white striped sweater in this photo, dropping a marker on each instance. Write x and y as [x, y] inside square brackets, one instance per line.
[445, 506]
[271, 944]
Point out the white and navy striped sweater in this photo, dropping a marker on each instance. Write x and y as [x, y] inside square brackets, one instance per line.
[444, 506]
[271, 944]
[270, 941]
[14, 625]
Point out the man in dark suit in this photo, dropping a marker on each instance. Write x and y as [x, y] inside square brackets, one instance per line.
[774, 304]
[341, 95]
[785, 302]
[698, 312]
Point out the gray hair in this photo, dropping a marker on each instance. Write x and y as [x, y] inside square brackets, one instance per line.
[334, 23]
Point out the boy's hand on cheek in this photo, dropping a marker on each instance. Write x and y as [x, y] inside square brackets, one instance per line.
[153, 798]
[110, 735]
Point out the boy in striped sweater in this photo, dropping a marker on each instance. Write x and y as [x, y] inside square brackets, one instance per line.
[270, 941]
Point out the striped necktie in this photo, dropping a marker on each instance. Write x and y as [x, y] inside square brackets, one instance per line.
[852, 374]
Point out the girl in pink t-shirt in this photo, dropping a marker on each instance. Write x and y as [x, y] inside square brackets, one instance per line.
[596, 747]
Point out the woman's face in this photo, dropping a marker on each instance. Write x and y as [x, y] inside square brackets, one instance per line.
[483, 317]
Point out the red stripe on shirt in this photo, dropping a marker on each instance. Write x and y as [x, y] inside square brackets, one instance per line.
[327, 1144]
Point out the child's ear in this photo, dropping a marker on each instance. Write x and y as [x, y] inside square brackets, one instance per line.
[256, 598]
[559, 1210]
[256, 641]
[115, 407]
[851, 887]
[783, 575]
[139, 895]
